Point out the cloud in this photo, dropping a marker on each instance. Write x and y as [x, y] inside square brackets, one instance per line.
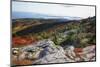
[54, 9]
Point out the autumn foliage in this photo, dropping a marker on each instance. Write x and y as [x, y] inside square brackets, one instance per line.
[19, 41]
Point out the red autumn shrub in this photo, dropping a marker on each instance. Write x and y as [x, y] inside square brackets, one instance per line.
[17, 41]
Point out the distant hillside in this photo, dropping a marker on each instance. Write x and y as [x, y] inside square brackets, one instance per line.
[38, 25]
[80, 33]
[18, 15]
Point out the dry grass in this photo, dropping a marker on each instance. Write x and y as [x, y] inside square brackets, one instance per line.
[21, 62]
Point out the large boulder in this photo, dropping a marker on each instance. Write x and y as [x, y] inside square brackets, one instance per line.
[89, 53]
[44, 51]
[51, 54]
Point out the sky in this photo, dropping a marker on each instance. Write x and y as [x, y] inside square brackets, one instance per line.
[54, 9]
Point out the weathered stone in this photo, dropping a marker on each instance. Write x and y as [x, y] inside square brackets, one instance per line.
[46, 51]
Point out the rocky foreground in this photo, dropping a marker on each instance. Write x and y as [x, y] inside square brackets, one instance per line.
[44, 52]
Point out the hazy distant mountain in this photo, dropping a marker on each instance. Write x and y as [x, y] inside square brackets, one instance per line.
[17, 15]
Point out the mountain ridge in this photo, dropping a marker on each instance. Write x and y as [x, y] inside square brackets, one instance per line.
[17, 15]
